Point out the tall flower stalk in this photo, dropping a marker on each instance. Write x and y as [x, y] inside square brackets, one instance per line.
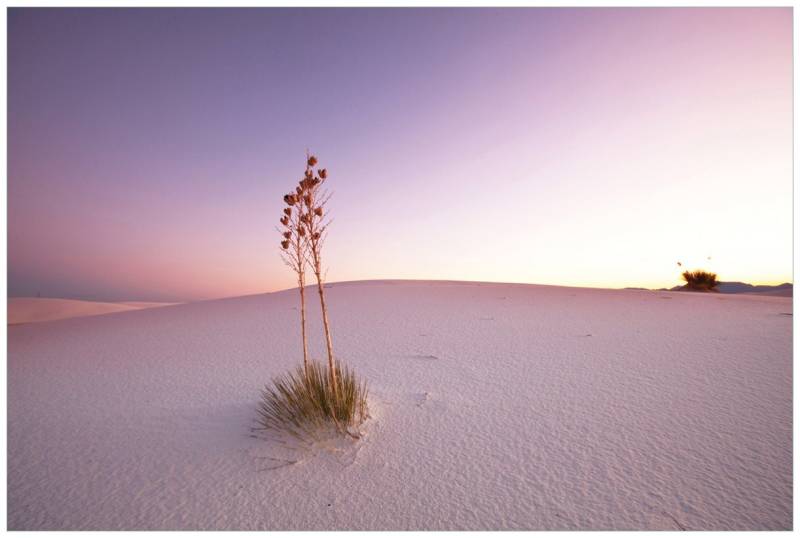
[295, 247]
[312, 203]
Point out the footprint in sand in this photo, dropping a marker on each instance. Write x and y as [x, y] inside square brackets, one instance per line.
[428, 400]
[422, 398]
[420, 356]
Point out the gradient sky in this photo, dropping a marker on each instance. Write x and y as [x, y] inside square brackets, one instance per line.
[149, 149]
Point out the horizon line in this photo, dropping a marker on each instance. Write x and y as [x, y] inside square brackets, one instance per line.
[377, 280]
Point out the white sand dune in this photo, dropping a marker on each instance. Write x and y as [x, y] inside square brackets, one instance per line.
[775, 293]
[495, 406]
[35, 309]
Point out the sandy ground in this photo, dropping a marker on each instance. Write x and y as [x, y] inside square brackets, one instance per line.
[495, 406]
[35, 309]
[775, 293]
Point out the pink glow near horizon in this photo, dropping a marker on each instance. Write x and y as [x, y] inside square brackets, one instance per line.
[573, 147]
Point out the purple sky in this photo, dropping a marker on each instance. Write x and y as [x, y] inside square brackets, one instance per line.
[149, 149]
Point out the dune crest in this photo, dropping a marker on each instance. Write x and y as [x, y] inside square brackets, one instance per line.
[36, 309]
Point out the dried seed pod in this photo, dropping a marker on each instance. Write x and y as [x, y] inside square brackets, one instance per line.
[312, 161]
[290, 199]
[318, 211]
[323, 173]
[315, 181]
[288, 211]
[307, 199]
[299, 191]
[284, 244]
[287, 235]
[308, 174]
[301, 231]
[285, 221]
[315, 236]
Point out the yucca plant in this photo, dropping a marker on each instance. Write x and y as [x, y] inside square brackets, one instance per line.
[315, 396]
[700, 280]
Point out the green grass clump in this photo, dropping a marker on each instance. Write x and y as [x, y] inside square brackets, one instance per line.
[700, 280]
[301, 404]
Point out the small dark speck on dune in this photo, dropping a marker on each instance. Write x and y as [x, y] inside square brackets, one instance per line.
[785, 314]
[428, 357]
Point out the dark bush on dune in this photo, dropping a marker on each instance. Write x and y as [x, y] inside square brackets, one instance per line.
[700, 281]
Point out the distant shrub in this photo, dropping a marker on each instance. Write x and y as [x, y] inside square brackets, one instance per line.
[700, 281]
[305, 401]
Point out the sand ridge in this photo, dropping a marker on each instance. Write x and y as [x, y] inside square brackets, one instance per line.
[36, 309]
